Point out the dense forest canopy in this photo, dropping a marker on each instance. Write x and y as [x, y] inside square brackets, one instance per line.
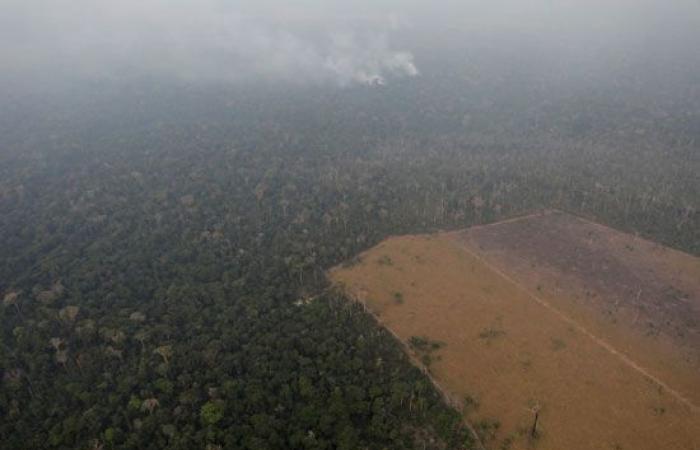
[163, 240]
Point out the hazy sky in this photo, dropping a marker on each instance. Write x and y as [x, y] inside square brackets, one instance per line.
[199, 39]
[313, 40]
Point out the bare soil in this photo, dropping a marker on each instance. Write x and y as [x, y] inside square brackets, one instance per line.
[544, 313]
[641, 297]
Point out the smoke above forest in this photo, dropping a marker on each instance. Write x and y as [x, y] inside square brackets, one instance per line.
[339, 43]
[199, 40]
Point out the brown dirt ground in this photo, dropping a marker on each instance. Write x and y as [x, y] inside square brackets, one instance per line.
[545, 311]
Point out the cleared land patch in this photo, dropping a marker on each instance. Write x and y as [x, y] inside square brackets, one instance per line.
[514, 318]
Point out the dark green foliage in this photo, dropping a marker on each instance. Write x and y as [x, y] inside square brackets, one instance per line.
[491, 333]
[423, 344]
[212, 412]
[186, 231]
[424, 348]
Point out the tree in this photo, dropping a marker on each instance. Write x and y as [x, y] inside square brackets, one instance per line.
[212, 412]
[165, 352]
[69, 313]
[150, 404]
[11, 298]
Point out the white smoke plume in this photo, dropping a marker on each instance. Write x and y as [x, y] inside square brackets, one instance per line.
[205, 40]
[366, 63]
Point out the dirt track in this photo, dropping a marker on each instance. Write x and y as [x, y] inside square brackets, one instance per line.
[514, 345]
[641, 298]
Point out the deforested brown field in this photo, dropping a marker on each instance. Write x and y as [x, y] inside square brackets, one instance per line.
[597, 330]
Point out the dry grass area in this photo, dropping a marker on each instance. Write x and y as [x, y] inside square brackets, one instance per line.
[545, 312]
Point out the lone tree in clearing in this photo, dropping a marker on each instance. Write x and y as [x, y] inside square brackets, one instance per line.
[536, 411]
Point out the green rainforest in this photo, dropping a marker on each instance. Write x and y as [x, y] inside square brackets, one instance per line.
[164, 242]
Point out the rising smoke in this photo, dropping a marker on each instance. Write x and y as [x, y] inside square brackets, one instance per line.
[192, 40]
